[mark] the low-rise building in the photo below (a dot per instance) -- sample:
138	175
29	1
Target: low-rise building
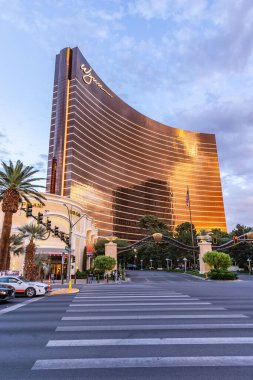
84	233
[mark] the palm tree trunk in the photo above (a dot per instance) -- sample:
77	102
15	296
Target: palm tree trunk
5	240
30	269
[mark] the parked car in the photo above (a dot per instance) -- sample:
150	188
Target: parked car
131	266
22	286
6	292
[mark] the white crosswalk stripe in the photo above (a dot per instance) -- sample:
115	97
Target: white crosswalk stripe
103	310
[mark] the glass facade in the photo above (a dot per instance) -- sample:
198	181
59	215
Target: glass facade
122	165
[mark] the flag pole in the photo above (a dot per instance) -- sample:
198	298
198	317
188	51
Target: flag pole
188	203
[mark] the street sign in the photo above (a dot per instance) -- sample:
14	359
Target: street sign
67	248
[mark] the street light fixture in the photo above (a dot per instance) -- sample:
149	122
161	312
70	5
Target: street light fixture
249	261
185	261
71	226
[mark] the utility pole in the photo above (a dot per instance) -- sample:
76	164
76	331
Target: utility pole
71	226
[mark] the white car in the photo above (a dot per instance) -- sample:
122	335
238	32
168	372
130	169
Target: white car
22	286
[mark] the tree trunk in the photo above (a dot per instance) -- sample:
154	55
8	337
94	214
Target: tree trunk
8	261
5	240
30	268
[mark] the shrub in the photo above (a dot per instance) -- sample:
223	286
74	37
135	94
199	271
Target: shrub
222	275
80	274
217	260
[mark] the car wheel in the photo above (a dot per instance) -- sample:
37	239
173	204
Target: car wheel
30	292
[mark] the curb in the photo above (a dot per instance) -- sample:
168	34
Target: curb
64	291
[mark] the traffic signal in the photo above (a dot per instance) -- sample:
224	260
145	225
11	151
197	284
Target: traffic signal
40	218
29	210
56	231
48	224
73	259
67	241
62	236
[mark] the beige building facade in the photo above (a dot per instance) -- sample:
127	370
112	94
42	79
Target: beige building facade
84	233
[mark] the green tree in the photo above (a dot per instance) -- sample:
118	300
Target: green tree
32	232
240	229
183	233
217	260
220	237
104	263
16	247
16	185
151	224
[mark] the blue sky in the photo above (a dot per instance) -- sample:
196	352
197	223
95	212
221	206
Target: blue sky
188	64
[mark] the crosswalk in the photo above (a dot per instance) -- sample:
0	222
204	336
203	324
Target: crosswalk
135	326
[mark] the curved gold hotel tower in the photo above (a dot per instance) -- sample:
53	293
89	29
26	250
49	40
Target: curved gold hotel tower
121	164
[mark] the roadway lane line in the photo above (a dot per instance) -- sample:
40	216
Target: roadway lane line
144	296
186	361
15	307
202	326
147	342
138	304
141	317
147	309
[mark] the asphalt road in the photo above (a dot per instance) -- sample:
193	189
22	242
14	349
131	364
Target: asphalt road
156	326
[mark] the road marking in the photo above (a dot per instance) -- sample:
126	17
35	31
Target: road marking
138	304
144	296
14	307
146	309
202	326
141	317
199	361
148	341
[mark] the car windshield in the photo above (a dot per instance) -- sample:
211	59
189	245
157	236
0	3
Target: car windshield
23	279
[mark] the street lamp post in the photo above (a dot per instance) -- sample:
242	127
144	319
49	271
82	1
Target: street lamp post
141	264
151	261
170	263
249	261
185	261
71	226
167	261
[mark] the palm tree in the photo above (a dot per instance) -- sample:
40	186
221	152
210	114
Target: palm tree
16	185
16	247
41	262
33	232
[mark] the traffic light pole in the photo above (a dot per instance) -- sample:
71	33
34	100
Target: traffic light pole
71	226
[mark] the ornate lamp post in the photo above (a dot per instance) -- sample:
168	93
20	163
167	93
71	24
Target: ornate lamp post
185	261
167	261
249	261
151	261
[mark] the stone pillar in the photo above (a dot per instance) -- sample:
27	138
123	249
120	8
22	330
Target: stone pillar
203	248
111	250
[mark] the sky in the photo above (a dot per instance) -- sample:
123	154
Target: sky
188	64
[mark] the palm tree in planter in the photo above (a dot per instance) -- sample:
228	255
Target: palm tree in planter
15	247
32	232
16	185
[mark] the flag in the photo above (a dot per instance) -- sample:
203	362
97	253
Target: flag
187	200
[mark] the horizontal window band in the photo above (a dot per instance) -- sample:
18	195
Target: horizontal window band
122	176
173	215
129	184
125	133
176	204
73	142
181	192
135	146
84	91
